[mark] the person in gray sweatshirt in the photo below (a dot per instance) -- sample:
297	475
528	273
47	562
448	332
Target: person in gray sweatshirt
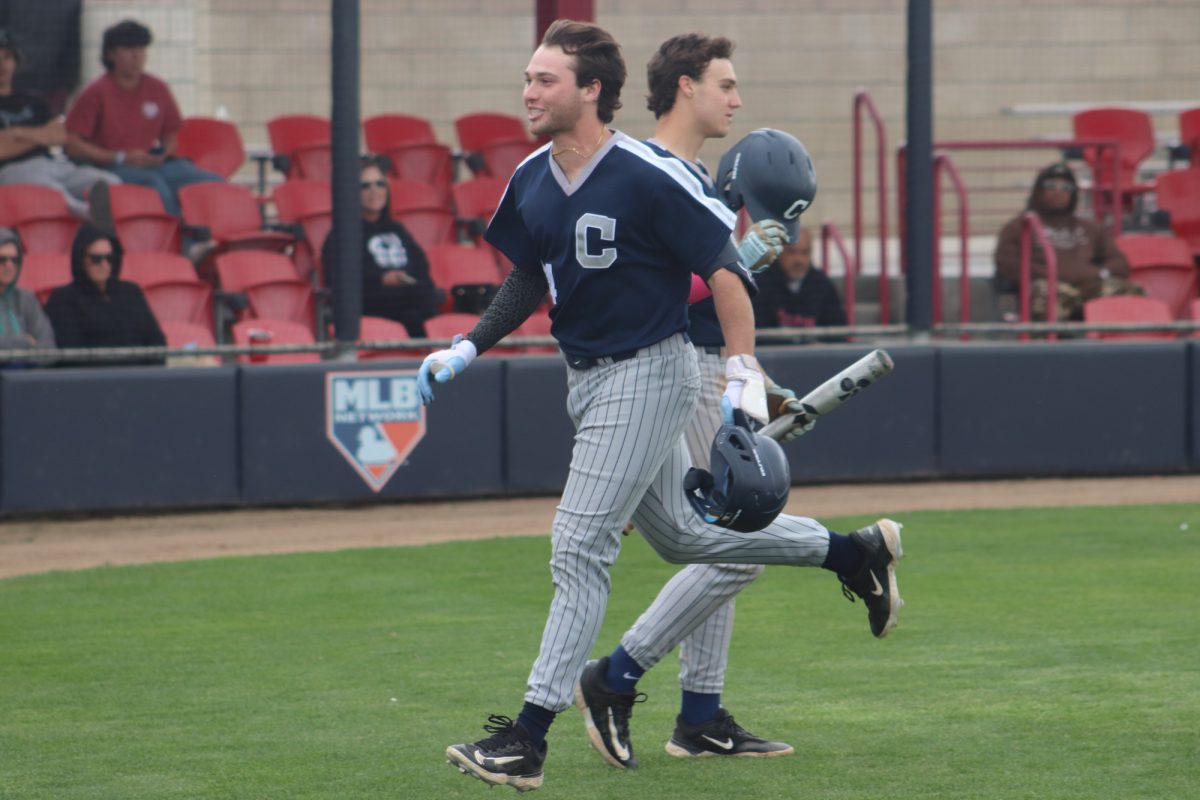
23	324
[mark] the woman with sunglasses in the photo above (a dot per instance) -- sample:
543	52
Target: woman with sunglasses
97	308
23	324
395	271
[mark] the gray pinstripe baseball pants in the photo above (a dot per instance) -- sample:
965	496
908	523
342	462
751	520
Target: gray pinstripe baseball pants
629	460
695	608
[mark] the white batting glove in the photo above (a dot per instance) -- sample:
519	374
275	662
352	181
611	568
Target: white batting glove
762	244
444	365
745	390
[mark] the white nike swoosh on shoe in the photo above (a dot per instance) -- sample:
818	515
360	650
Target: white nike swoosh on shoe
726	744
878	590
619	749
483	760
629	677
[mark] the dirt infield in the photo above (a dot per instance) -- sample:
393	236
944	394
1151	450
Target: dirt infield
31	546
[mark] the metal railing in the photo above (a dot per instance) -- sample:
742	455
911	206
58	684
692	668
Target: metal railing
863	102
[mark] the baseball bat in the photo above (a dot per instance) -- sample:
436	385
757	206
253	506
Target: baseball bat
833	392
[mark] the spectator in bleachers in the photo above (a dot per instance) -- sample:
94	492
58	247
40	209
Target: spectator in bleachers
128	122
23	324
28	131
792	293
395	270
1089	263
97	308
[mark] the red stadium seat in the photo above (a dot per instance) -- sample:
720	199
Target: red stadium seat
301	143
446	326
233	219
270	285
476	200
271	332
211	144
501	159
412	150
171	287
537	325
477	129
1134	132
142	224
42	273
419	208
1178	193
387	130
1163	266
40	215
380	329
308	204
1189	133
468	274
491	142
1127	308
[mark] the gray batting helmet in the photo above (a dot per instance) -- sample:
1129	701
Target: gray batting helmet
749	483
771	174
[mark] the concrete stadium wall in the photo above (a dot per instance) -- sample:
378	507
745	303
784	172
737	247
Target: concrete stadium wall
117	439
799	63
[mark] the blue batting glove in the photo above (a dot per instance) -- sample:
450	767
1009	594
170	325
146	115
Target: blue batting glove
444	365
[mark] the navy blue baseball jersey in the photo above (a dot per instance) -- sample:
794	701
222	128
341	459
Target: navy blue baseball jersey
703	325
617	246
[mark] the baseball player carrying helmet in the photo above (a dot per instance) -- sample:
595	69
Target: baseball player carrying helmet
613	231
693	93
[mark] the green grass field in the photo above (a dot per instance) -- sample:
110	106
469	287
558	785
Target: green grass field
1041	654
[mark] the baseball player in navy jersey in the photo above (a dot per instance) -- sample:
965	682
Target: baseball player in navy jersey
613	231
693	94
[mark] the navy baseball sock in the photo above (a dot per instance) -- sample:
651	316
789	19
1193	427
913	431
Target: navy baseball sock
843	557
696	708
536	722
623	672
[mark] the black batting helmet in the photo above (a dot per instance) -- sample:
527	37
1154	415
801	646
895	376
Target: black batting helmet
771	174
749	483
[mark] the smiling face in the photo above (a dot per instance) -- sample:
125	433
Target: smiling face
553	103
714	97
98	262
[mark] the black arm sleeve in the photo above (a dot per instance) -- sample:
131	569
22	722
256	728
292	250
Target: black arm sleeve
515	301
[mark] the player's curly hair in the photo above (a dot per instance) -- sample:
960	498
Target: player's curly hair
687	54
597	58
126	33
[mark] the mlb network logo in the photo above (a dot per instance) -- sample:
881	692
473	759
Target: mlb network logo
374	419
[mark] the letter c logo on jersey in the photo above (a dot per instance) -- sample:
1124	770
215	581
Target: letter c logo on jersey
606	228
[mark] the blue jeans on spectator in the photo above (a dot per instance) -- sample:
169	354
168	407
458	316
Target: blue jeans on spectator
165	180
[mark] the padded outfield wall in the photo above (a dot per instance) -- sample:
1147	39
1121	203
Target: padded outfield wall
146	438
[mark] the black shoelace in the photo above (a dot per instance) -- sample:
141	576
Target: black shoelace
622	705
504	733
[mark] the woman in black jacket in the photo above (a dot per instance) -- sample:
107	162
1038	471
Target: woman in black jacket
395	271
98	309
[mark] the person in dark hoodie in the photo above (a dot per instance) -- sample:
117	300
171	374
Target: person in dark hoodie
23	324
395	270
98	309
1089	263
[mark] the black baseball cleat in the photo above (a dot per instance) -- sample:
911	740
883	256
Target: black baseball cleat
875	581
606	715
721	736
506	758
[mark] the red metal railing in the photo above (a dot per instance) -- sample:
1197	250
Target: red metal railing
1031	223
863	101
943	165
830	232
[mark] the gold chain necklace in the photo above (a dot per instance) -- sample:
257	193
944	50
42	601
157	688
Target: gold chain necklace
579	153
